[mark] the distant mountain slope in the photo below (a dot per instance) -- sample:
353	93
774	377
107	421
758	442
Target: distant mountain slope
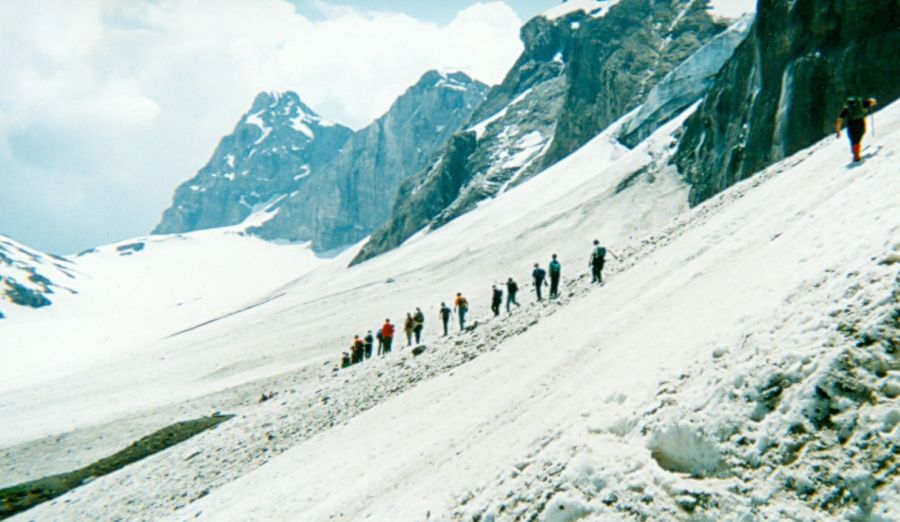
579	72
108	302
327	183
784	86
31	279
273	150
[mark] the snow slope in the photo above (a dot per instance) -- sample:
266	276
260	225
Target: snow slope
127	296
651	397
312	319
737	364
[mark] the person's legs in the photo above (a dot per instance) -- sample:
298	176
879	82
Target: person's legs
855	131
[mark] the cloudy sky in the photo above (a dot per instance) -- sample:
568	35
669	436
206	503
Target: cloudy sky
107	105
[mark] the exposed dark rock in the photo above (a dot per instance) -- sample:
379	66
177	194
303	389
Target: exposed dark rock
24	296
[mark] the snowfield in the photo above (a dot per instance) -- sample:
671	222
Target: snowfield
739	363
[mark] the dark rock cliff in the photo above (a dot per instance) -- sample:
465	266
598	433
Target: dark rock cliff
786	83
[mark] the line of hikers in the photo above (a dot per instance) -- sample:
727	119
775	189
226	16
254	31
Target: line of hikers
361	349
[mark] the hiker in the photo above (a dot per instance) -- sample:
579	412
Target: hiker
511	289
418	324
345	360
445	316
598	256
555	270
461	305
380	342
367	345
387	336
356	350
496	299
408	326
538	274
854	112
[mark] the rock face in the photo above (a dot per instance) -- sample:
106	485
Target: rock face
355	192
784	86
578	73
685	84
327	183
620	58
273	150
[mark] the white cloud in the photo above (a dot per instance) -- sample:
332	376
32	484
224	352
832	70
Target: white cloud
120	100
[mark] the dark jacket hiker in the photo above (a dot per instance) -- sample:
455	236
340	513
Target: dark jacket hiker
854	112
598	258
445	316
538	274
496	299
511	289
555	272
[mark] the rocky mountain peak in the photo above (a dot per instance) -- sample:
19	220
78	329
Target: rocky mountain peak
327	183
273	148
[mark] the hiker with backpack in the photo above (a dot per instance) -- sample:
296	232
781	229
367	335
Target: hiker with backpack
511	289
854	113
598	258
555	272
538	274
418	324
356	350
408	327
387	336
367	345
461	305
445	316
496	299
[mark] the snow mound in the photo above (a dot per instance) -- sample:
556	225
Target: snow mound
685	450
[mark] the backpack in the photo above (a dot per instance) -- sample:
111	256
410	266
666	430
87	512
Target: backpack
512	287
600	253
445	312
498	294
856	109
463	303
554	267
539	273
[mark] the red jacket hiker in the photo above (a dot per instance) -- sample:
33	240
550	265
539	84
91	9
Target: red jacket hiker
387	331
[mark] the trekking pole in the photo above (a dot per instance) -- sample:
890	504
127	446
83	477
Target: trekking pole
872	119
